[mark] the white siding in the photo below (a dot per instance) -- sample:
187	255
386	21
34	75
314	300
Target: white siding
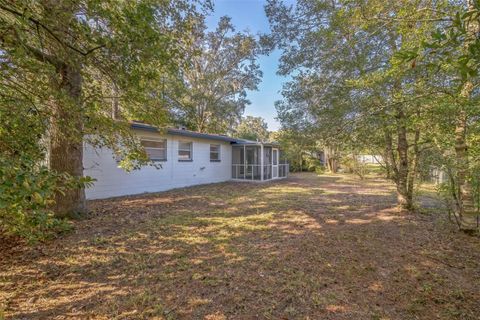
366	158
113	181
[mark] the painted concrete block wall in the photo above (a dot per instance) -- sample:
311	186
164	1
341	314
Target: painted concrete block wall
113	181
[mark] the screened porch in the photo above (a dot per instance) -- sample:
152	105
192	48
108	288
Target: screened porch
258	162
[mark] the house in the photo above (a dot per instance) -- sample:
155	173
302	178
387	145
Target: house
370	159
186	158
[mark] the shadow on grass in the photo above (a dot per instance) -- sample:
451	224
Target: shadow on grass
308	246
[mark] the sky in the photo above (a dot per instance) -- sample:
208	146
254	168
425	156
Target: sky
250	15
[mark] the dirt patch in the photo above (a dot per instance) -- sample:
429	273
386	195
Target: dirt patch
309	247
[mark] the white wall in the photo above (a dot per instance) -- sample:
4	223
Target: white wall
113	181
367	158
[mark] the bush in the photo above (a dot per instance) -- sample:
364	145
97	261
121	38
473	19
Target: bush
353	165
313	164
320	169
26	192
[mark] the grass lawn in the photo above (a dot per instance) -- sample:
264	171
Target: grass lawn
309	247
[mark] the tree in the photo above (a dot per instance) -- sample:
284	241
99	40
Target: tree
252	128
453	53
347	83
298	147
222	67
63	65
297	135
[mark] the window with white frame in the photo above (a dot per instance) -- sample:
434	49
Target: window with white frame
156	149
185	150
215	153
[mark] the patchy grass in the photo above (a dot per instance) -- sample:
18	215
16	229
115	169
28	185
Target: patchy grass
309	247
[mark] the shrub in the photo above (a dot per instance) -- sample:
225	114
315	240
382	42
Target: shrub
355	166
320	169
312	164
26	192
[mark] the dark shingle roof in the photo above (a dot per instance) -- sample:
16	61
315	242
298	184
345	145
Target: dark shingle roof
194	134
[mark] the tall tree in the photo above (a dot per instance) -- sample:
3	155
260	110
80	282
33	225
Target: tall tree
252	128
222	67
346	80
451	56
67	61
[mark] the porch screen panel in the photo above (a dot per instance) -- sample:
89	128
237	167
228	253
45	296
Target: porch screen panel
275	163
253	169
267	163
238	169
283	166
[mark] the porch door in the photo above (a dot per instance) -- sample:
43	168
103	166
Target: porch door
250	161
274	163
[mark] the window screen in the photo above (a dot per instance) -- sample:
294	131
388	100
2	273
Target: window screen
156	149
184	151
214	152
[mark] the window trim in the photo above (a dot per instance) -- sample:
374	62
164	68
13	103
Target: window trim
156	140
219	152
191	151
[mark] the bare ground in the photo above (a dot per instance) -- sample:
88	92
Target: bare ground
308	247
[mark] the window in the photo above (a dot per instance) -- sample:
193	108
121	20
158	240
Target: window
215	153
185	151
156	149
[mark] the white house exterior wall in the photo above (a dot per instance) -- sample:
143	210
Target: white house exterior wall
113	181
367	158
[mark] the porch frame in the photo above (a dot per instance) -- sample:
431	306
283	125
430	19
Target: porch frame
261	148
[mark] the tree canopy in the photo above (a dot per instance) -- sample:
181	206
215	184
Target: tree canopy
396	78
252	128
76	72
221	68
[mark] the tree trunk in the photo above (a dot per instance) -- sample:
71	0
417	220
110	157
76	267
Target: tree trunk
403	169
390	162
116	115
300	161
66	142
330	159
465	207
201	118
334	164
326	153
413	168
388	168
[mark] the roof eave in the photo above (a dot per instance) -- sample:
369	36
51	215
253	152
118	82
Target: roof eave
191	134
200	135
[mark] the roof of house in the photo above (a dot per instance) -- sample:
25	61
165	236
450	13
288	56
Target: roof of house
194	134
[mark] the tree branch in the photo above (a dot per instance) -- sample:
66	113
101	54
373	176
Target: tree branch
38	23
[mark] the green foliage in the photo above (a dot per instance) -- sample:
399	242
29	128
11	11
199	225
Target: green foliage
26	193
448	189
353	165
295	144
65	67
252	128
125	53
74	72
387	78
222	67
447	46
313	165
320	169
